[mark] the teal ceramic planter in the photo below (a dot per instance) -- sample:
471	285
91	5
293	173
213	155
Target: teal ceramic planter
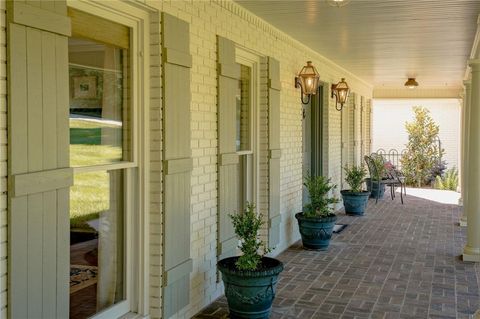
375	188
316	232
250	293
355	203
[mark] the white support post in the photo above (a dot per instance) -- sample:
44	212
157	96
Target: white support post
464	153
471	251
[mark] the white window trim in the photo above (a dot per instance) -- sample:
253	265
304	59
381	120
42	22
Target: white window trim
136	233
252	60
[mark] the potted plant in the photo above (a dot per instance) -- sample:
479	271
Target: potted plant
373	185
317	219
250	279
355	199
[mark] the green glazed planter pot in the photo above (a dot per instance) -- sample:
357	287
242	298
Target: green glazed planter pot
316	232
355	202
250	293
374	189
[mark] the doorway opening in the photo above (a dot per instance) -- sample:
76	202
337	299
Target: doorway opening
313	137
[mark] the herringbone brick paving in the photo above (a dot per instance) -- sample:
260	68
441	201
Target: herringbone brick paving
397	261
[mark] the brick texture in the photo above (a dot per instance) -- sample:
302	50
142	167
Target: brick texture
3	162
390	116
207	20
397	261
225	18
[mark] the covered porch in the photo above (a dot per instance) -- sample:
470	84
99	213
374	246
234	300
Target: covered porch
397	261
149	122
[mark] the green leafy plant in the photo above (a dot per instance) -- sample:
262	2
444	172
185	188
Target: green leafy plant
246	225
422	149
319	188
449	181
379	163
354	177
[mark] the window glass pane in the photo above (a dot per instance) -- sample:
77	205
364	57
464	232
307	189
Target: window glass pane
243	110
99	111
96	242
245	181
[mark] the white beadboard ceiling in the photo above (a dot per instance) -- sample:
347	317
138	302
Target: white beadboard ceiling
383	41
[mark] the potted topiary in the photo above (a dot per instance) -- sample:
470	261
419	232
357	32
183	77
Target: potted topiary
317	219
355	199
250	279
373	184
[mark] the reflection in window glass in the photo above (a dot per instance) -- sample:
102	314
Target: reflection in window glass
98	100
96	251
243	115
99	135
245	181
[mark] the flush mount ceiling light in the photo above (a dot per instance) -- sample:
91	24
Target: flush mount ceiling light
338	3
307	80
411	83
340	91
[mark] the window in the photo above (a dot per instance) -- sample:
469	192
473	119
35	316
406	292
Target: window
102	153
246	126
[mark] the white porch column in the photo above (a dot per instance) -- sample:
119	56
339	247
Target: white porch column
464	150
471	251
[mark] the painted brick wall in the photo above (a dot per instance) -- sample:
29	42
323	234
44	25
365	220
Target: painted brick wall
390	115
207	19
155	227
3	162
225	18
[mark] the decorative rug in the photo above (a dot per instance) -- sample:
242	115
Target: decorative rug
338	228
82	276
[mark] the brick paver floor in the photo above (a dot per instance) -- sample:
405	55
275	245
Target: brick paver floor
397	261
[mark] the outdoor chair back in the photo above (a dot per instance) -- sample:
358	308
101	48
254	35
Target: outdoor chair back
389	176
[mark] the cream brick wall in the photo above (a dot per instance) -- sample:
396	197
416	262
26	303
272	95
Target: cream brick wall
208	19
225	18
156	223
3	162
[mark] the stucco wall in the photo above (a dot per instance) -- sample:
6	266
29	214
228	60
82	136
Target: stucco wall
390	115
225	18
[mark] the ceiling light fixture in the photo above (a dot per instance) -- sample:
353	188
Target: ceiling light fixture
340	91
338	3
411	83
307	80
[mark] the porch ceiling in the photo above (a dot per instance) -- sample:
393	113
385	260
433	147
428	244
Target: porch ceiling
383	42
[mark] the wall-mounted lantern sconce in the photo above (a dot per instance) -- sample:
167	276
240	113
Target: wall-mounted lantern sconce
340	91
307	80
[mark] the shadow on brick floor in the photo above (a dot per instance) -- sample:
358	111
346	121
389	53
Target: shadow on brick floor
397	261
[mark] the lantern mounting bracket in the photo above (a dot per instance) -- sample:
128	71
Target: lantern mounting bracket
298	84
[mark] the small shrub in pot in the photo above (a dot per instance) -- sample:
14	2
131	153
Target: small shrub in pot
355	199
250	279
317	220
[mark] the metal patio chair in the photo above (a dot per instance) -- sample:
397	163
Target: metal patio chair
390	178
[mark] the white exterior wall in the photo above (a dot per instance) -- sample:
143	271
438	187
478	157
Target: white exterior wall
3	162
390	115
